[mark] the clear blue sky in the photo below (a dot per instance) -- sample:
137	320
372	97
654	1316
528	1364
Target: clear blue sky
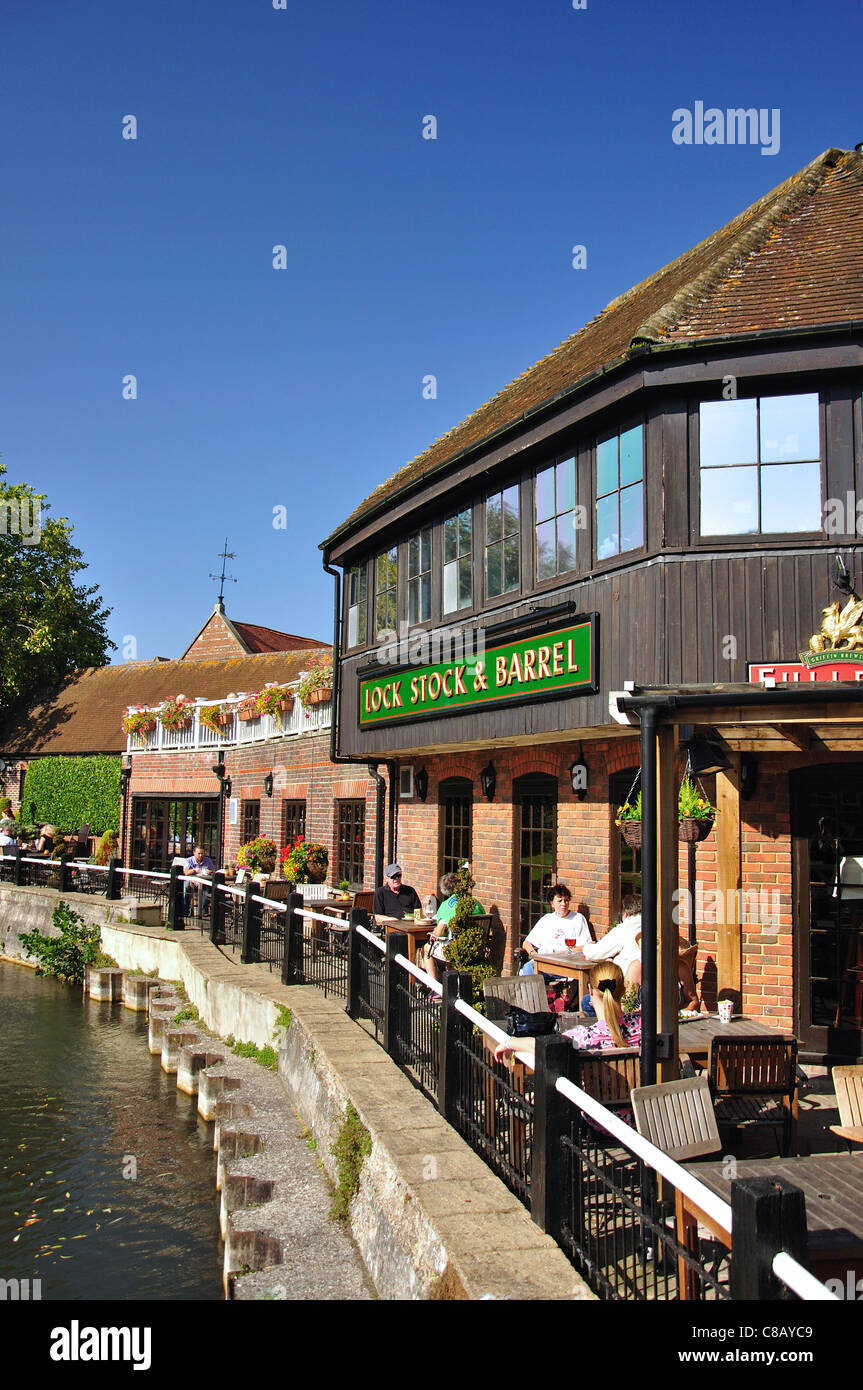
406	256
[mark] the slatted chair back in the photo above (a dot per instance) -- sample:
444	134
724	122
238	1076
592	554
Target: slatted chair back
313	892
678	1117
610	1075
524	991
82	844
364	900
753	1066
848	1082
278	889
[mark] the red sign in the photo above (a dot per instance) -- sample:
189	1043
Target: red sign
780	672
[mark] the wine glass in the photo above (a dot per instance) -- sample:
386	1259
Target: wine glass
569	942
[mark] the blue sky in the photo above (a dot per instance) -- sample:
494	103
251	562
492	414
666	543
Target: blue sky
405	257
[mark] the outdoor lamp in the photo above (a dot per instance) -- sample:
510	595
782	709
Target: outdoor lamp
226	788
219	770
706	756
421	783
488	781
268	784
578	779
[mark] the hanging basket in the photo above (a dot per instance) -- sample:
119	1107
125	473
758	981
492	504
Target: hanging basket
691	831
319	697
248	714
631	832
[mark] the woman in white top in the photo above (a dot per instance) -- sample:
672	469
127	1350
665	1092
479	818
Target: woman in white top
553	930
623	943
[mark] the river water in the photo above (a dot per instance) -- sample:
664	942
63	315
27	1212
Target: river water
107	1174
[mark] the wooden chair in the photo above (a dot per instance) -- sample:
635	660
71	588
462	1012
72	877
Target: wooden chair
364	900
525	991
678	1118
848	1083
82	844
754	1083
278	889
609	1075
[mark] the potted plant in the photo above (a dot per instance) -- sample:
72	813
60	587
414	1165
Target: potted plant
304	861
694	812
316	687
275	700
140	724
247	709
215	717
628	821
177	713
259	855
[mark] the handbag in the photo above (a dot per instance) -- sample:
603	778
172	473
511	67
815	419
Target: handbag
521	1023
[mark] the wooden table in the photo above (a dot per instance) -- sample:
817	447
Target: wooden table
417	932
571	965
833	1187
696	1035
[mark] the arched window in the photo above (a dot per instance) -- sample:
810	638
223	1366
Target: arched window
455	798
624	866
535	797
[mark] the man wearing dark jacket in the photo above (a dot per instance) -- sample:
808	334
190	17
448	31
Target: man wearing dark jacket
395	899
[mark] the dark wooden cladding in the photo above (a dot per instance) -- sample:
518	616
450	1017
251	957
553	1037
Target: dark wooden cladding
672	621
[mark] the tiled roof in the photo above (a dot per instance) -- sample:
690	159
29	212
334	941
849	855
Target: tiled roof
267	639
793	259
85	714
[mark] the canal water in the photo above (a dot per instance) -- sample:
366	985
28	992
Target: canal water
107	1173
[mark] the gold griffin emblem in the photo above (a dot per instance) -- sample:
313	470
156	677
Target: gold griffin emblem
841	629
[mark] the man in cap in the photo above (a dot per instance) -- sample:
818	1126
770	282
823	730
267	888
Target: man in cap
394	898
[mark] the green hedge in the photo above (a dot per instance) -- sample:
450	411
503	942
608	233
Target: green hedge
69	792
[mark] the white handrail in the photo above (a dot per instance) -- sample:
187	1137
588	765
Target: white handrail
82	864
370	936
321	917
234	892
715	1207
270	902
800	1281
418	974
145	873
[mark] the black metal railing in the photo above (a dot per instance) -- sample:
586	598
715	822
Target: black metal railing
322	957
86	878
270	934
416	1041
147	888
230	930
367	993
494	1108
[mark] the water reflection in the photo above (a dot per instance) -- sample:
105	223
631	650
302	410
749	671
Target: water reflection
107	1174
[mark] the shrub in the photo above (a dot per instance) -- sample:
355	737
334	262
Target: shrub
353	1145
67	792
258	854
68	954
468	949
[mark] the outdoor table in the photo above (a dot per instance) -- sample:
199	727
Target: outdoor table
833	1187
417	932
572	965
695	1035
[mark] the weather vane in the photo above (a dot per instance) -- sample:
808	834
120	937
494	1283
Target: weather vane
224	556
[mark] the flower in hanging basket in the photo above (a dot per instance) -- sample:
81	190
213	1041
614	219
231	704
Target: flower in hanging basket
177	713
304	861
692	804
140	724
215	717
316	687
275	700
258	854
247	709
629	811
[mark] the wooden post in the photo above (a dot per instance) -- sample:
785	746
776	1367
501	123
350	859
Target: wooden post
251	926
397	945
667	930
768	1215
358	918
555	1057
729	938
217	902
112	887
292	963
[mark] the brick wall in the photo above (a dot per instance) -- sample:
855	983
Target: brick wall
215	642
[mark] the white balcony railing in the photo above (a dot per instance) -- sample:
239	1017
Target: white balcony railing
237	732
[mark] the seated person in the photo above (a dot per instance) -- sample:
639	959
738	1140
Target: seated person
552	931
198	865
394	898
433	951
7	838
623	943
613	1028
45	842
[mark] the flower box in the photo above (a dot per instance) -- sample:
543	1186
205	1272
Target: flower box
319	697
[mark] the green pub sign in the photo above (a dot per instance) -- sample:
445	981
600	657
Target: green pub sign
551	664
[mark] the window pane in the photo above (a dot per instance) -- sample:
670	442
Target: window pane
381	570
791	497
450	587
566	485
511	566
631	462
493	570
353	635
450	538
789	430
632	517
425	549
492	518
566	542
545	564
545	494
510	511
413	601
606	466
425	597
728	434
391	609
464	544
413	556
381	613
729	502
465	574
607	537
392	566
361	624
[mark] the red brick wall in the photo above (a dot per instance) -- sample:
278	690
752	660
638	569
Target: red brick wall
215	642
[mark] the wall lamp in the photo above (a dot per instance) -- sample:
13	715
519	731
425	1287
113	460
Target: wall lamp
421	783
219	770
578	779
706	755
488	781
268	784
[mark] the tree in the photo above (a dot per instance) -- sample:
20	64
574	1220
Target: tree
49	625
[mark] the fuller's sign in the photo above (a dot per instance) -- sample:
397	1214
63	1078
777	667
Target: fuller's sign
825	666
558	663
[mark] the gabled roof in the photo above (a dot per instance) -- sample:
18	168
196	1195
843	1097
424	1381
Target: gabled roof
84	715
248	637
794	259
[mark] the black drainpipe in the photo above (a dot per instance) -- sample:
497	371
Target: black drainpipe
647	715
336	757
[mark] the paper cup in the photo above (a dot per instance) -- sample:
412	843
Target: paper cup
726	1009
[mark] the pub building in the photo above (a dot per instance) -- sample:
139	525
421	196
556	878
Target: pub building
608	572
